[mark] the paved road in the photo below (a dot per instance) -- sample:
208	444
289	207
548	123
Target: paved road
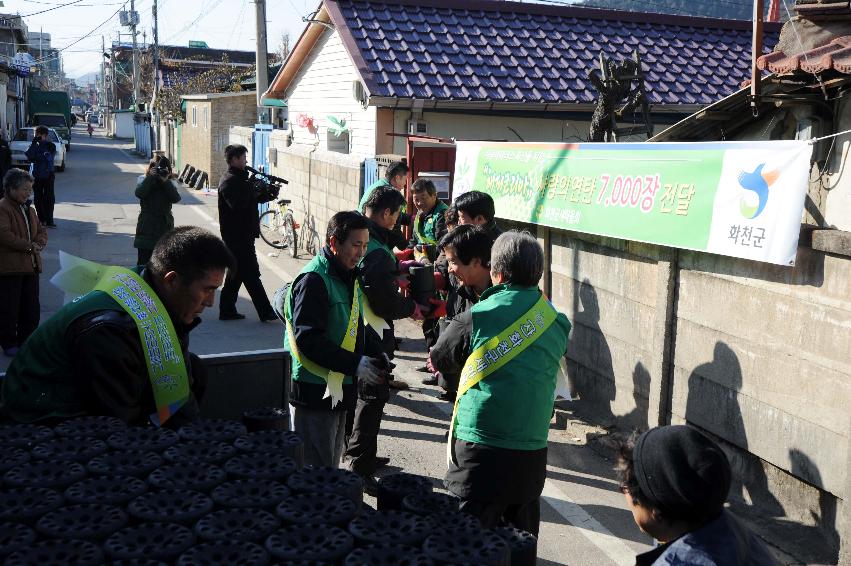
584	521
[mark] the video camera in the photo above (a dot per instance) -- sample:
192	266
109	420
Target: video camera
264	187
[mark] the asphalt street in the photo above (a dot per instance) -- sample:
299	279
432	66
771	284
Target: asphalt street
584	518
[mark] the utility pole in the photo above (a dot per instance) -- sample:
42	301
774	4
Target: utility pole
136	95
102	97
155	56
261	60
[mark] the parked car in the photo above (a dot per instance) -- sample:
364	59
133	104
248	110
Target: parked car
22	141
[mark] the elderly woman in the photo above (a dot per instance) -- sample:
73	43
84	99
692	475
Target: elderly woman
156	193
507	348
21	240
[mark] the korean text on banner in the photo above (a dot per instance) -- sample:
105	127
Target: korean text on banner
739	199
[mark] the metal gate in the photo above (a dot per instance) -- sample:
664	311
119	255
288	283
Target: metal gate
370	174
259	152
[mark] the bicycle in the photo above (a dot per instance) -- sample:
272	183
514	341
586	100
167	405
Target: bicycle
278	227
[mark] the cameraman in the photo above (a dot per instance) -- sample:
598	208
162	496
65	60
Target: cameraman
156	194
240	225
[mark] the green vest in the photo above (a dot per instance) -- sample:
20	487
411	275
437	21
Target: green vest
425	231
373	245
339	309
511	408
39	383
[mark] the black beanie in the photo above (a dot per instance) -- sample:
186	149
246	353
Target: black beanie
682	472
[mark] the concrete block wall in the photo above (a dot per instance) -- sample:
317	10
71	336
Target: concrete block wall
196	148
758	356
321	183
226	112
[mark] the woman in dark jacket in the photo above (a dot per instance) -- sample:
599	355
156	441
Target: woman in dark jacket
156	194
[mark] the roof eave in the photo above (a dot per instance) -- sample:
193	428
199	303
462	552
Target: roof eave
433	104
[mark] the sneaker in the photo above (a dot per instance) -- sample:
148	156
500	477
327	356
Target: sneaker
370	485
430	380
11	351
231	316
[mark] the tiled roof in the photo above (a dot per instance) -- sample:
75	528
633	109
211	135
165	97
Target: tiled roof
836	55
483	51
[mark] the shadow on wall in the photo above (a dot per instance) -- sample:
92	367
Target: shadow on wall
713	405
590	369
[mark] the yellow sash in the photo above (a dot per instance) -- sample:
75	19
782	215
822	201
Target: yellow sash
334	379
497	352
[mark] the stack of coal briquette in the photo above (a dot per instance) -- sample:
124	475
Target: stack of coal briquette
93	491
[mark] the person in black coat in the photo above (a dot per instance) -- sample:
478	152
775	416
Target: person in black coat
379	275
239	220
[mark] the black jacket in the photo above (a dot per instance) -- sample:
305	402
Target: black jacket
378	274
309	321
110	368
239	217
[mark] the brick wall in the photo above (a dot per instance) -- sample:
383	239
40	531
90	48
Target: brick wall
321	184
226	112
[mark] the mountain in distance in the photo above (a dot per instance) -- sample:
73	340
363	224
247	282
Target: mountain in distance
727	9
86	79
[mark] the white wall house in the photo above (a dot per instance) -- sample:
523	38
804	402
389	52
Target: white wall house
504	71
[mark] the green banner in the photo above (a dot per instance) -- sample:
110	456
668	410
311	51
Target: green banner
742	199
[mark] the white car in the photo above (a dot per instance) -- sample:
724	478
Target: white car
22	141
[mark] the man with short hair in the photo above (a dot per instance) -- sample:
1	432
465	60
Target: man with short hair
325	335
395	176
239	220
467	249
507	349
429	223
477	208
676	481
41	154
379	274
121	349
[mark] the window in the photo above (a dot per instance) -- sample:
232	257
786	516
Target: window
205	117
194	115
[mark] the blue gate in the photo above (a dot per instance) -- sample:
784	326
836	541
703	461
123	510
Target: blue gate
259	153
370	173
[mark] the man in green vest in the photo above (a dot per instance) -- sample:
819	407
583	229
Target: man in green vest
514	340
477	208
380	275
121	349
325	334
429	224
396	177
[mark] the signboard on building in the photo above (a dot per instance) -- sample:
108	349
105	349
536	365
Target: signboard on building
739	199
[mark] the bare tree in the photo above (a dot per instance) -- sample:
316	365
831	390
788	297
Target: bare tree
283	51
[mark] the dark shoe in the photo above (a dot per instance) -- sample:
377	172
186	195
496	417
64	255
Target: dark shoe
50	225
430	380
381	461
447	396
424	369
231	316
269	317
370	485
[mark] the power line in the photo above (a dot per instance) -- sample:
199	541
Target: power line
89	34
54	8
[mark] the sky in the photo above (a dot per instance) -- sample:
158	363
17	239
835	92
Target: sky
223	24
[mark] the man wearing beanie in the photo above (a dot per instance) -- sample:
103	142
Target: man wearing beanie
676	481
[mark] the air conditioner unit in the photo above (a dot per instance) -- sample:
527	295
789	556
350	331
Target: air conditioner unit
359	93
417	127
272	155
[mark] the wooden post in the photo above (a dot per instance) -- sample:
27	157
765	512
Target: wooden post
756	52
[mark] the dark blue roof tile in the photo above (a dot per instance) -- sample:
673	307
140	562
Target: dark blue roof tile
490	55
